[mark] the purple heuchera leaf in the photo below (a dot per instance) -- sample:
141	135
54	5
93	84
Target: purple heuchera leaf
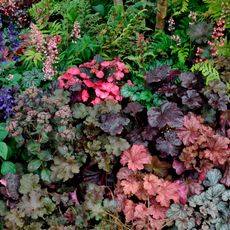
217	102
170	144
192	99
168	90
113	123
149	133
133	108
168	114
134	137
158	74
188	80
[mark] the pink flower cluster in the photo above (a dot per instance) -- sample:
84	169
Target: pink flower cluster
51	56
103	80
217	35
37	38
199	52
48	47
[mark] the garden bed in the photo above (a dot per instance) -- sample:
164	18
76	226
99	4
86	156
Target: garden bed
114	115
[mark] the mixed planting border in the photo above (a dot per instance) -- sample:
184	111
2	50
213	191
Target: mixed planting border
114	115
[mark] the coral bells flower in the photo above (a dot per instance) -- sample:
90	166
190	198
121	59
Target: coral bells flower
76	32
51	57
218	37
37	38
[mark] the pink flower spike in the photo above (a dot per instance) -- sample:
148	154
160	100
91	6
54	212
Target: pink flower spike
100	74
73	71
84	95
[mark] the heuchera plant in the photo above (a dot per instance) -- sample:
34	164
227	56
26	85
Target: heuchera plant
96	80
202	142
144	197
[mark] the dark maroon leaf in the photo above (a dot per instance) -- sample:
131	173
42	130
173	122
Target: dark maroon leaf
134	137
188	80
113	123
192	99
149	133
158	74
133	108
170	144
217	102
168	90
226	177
168	114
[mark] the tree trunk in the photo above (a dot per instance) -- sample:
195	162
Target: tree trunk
162	7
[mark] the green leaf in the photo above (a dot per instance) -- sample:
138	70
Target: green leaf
3	132
3	150
79	111
34	165
45	175
45	138
45	155
8	167
33	147
100	9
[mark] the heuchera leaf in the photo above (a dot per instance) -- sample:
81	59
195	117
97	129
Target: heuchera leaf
189	133
113	123
226	177
170	144
192	99
188	80
152	184
158	74
136	157
133	108
217	102
129	210
168	114
218	149
160	168
168	191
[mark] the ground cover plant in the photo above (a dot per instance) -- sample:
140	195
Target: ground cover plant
114	114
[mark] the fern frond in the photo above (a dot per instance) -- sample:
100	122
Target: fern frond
180	6
207	69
